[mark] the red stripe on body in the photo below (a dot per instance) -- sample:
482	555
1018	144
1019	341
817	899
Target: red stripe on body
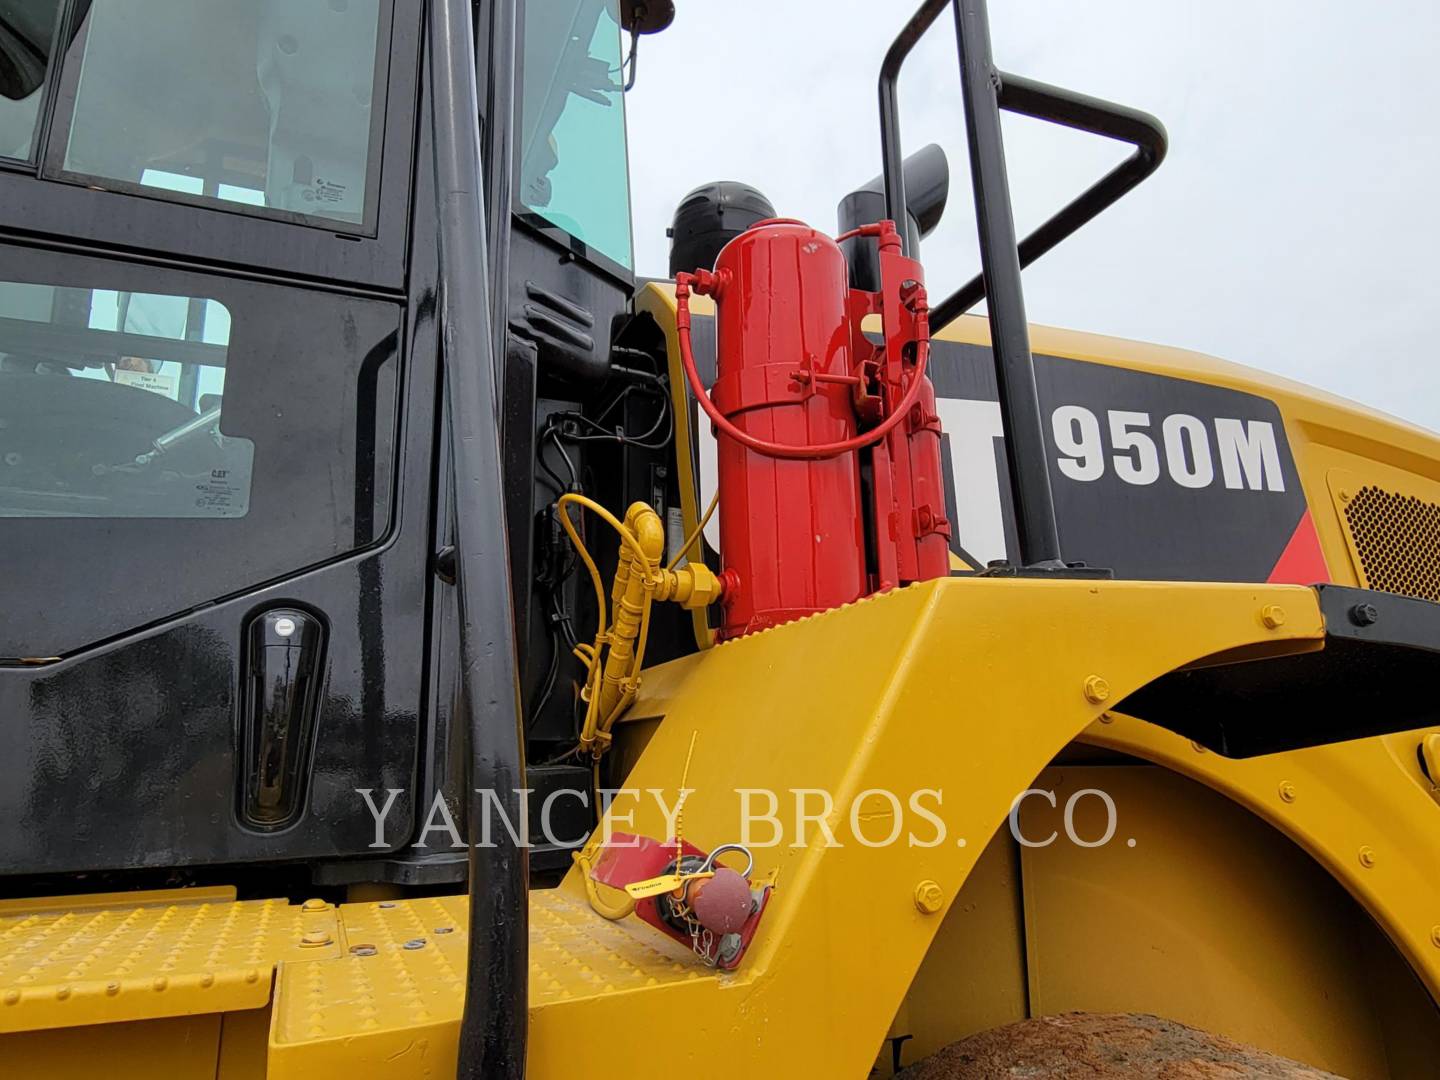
1302	562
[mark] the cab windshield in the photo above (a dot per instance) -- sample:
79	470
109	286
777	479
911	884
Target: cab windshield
570	144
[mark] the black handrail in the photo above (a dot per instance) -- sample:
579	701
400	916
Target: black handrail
1083	113
493	1028
985	91
896	204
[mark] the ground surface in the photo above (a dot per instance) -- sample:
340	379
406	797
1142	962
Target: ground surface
1097	1046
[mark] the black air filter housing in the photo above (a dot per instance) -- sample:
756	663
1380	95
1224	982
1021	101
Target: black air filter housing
707	219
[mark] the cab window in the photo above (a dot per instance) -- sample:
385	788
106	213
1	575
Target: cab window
27	34
260	106
112	403
570	147
172	437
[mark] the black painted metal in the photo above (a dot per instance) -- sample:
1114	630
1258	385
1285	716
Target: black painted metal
1009	328
1374	676
493	1029
896	203
497	75
1084	113
134	734
709	217
927	190
986	91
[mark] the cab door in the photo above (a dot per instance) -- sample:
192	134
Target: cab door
216	421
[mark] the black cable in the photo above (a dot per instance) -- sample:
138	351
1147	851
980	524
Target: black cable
567	427
665	418
551	677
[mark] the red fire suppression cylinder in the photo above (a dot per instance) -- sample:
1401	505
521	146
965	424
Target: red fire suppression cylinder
796	380
791	530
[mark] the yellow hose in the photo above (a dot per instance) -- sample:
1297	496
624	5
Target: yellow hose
609	688
695	533
614	661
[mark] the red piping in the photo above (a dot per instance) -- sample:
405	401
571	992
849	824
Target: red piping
704	283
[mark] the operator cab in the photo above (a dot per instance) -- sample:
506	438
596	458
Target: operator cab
221	413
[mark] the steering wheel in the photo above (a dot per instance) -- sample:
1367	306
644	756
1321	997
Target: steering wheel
60	435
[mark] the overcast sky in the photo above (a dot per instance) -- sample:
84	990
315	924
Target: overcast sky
1292	226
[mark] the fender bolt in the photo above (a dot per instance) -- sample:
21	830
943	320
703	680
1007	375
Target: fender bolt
929	897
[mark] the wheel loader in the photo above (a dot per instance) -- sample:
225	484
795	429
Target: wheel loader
429	647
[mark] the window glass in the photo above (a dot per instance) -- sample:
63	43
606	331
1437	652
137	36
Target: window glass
270	104
169	437
27	29
111	406
571	149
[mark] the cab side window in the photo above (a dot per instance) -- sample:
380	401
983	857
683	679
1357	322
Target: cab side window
260	106
174	436
27	37
111	406
570	148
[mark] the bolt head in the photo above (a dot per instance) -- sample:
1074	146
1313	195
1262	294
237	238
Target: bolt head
1273	616
1287	791
1435	936
363	950
314	905
1097	690
1367	857
415	943
929	897
314	939
1364	615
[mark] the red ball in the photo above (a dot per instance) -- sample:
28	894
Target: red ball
721	903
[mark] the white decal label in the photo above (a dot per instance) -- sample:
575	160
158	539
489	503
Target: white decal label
1184	451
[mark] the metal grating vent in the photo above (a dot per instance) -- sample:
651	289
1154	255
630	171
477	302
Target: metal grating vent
1398	540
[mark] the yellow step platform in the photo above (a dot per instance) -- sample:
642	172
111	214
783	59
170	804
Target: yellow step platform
348	990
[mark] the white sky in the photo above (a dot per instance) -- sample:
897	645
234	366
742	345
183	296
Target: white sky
1291	227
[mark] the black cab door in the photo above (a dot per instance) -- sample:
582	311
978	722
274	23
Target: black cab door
216	429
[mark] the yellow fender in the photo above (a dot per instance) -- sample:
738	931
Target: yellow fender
966	687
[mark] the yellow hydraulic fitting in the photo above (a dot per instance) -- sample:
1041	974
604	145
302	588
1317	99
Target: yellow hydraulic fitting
630	597
694	585
615	658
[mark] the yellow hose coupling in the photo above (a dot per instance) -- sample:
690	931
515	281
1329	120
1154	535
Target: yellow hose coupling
693	586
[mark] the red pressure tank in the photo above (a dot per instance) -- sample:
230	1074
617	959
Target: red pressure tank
791	531
797	377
